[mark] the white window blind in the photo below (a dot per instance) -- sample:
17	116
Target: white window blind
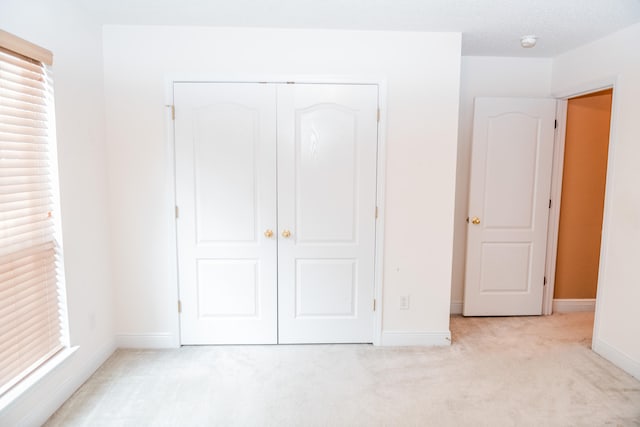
30	306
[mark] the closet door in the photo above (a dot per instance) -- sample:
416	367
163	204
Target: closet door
225	142
327	149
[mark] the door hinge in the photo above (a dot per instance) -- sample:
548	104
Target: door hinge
376	212
549	203
374	305
544	282
179	306
555	124
378	116
173	111
177	212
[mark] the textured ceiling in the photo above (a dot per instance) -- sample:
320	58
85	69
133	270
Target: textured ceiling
489	27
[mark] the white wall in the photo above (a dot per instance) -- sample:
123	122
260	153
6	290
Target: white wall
76	45
422	72
616	57
486	76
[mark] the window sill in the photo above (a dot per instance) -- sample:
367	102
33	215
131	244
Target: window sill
34	378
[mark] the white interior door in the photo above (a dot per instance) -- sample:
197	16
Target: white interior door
508	206
327	148
225	142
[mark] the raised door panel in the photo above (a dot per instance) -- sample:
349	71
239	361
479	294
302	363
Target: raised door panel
226	193
227	288
511	170
326	174
225	150
326	288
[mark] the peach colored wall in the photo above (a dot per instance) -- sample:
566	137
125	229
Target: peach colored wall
583	185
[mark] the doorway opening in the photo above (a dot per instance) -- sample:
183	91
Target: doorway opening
578	191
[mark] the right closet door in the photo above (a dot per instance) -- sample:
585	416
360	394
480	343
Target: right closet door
327	150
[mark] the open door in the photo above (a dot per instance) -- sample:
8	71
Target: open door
511	163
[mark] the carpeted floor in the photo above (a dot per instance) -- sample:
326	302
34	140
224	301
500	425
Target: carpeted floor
519	371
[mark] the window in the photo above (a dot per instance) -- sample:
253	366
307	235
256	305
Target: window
31	309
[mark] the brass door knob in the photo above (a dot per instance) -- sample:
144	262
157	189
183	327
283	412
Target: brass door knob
268	234
475	220
286	234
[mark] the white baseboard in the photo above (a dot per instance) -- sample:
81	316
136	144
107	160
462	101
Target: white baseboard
153	340
395	338
617	357
573	305
40	402
456	307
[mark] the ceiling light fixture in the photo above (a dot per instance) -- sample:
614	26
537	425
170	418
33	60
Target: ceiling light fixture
528	41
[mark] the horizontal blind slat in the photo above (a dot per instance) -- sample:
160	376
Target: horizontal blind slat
26	264
25	236
18	61
9	198
18	205
24	147
24	171
27	164
14	74
42	209
25	276
21	324
31	139
32	189
34	250
15	155
11	91
22	318
26	284
14	111
22	105
22	121
13	129
17	87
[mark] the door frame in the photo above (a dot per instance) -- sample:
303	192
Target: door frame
170	183
556	191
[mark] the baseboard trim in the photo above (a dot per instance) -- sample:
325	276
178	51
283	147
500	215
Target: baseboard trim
456	307
574	305
154	340
398	338
617	357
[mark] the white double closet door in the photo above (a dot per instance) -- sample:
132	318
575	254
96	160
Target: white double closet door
276	190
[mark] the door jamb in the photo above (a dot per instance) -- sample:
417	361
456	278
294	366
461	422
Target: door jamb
380	176
556	191
554	210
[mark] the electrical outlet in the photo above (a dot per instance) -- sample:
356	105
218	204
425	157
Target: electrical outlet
404	302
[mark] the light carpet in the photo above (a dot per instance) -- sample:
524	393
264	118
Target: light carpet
517	371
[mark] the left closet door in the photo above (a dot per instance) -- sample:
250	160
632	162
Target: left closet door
225	152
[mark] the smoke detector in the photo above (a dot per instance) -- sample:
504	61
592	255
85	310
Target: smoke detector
528	41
